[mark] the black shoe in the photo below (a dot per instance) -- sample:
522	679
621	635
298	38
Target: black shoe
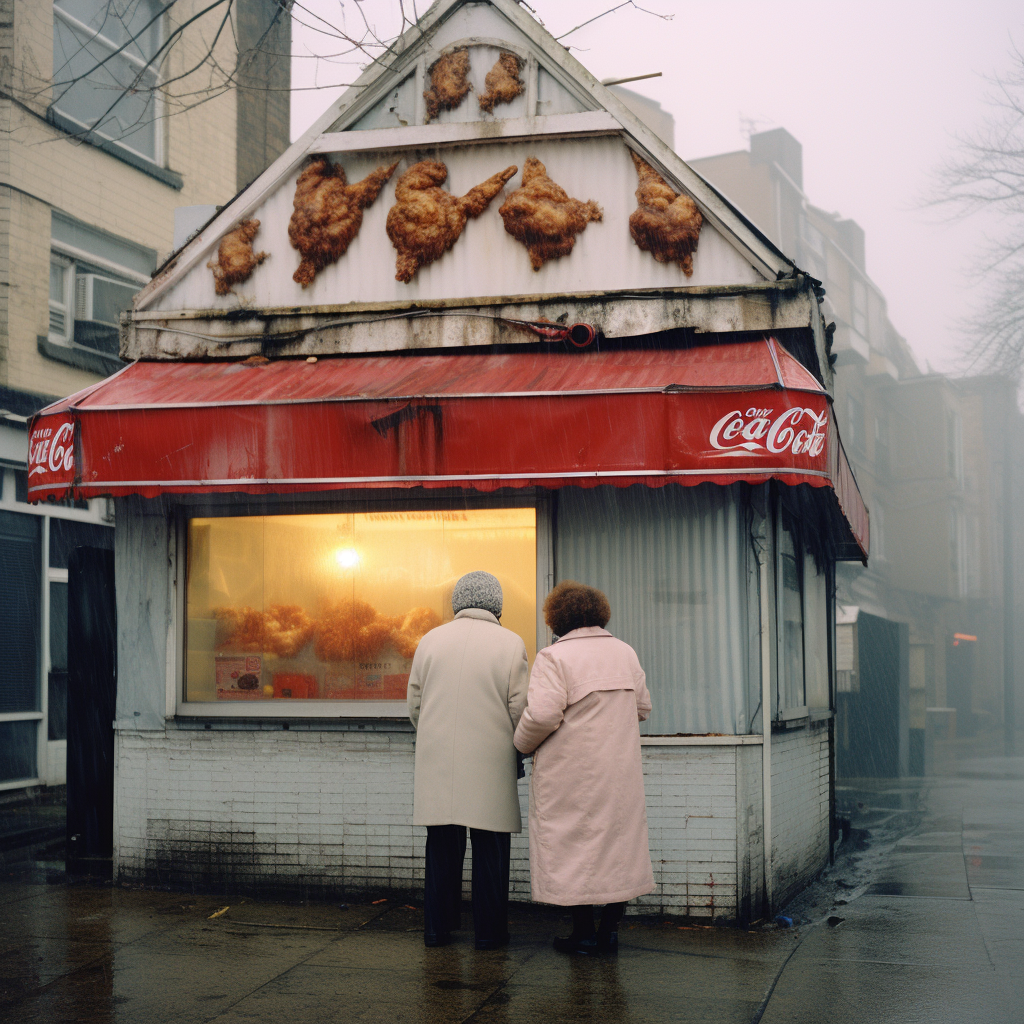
492	943
570	944
608	944
430	941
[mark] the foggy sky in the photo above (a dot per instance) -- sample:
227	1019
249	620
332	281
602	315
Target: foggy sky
876	93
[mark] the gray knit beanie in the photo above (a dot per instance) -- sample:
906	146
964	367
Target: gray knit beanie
477	590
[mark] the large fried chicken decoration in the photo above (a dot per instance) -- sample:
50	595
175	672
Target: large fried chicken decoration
328	213
502	84
543	216
664	224
235	258
448	84
426	221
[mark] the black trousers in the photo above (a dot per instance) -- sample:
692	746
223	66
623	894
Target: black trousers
446	851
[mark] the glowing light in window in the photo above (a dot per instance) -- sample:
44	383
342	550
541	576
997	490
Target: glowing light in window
347	558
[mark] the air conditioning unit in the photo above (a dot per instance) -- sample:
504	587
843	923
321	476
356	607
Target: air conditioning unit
101	299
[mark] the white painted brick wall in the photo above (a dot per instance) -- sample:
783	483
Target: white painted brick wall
332	811
800	825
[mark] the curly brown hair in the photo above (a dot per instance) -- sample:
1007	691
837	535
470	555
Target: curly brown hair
573	605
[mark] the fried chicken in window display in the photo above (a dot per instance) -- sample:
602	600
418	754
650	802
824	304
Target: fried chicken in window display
287	629
502	84
235	257
544	217
240	629
415	625
426	221
328	213
665	224
448	83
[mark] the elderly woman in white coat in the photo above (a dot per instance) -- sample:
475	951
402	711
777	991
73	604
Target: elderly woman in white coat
467	690
588	820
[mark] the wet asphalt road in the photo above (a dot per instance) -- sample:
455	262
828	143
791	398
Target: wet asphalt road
933	930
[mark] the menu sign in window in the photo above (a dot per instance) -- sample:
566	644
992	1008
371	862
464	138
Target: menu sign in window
333	607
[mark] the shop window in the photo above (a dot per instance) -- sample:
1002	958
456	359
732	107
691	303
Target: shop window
332	607
815	606
791	623
106	63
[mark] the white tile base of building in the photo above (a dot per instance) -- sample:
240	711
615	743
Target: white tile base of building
325	812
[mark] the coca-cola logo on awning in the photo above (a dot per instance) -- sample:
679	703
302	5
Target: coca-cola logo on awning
52	449
798	430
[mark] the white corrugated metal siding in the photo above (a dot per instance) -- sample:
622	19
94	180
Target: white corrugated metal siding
673	562
485	261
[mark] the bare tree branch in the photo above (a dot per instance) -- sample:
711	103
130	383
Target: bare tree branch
987	174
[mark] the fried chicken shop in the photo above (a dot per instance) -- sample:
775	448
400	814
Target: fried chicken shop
480	316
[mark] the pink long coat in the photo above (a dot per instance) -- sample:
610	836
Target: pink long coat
588	820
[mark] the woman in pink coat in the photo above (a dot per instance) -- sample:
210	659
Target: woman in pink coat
588	821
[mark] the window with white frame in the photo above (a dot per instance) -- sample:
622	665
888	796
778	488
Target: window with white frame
790	604
106	67
295	610
62	299
36	543
877	532
859	307
954	446
93	278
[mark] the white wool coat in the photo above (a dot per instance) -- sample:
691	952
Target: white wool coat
467	690
588	819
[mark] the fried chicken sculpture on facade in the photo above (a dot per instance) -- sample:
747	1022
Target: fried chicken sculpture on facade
426	221
235	259
543	216
664	224
502	83
448	84
328	213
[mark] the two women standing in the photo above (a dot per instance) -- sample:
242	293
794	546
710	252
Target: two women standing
588	822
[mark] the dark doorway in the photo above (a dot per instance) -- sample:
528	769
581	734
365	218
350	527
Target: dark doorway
91	697
873	740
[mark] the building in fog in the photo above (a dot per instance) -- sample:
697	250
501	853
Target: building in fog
86	215
922	627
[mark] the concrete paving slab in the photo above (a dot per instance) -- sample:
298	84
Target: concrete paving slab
922	932
907	873
812	991
324	995
29	964
1000	917
641	985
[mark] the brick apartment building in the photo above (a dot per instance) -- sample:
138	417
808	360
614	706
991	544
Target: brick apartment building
91	172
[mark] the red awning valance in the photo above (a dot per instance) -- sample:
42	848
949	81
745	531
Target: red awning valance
746	411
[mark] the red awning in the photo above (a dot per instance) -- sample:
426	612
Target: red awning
722	413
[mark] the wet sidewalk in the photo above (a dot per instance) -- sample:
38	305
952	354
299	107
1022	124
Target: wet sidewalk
927	925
